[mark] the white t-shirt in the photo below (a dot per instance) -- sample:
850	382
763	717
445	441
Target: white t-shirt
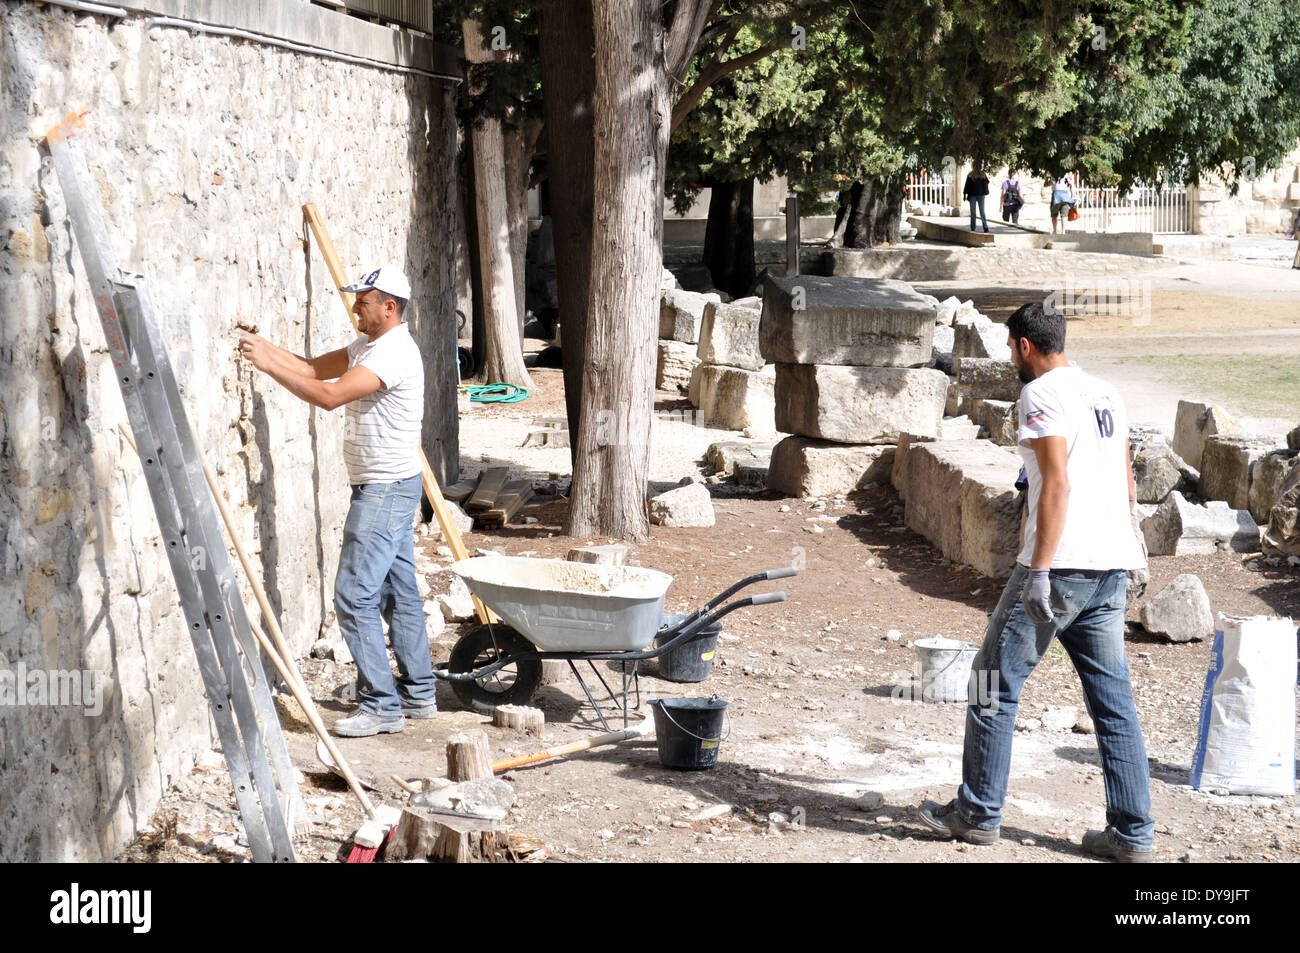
1087	412
381	437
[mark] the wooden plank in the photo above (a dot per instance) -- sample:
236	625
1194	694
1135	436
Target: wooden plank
490	485
507	504
460	492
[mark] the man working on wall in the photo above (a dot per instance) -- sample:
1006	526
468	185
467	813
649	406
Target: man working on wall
380	377
1069	583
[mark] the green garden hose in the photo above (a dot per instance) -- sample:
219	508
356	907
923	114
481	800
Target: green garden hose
496	393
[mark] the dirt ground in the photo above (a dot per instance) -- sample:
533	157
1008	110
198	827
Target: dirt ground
816	717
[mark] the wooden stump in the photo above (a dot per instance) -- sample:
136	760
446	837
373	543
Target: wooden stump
530	721
424	835
468	756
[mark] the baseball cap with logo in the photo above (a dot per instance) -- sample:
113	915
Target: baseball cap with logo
386	278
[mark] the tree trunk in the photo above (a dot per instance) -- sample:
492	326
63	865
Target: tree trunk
729	237
517	157
477	327
568	78
632	109
504	358
875	212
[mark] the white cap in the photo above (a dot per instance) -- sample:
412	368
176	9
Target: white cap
386	278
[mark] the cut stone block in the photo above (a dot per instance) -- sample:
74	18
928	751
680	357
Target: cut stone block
952	405
977	336
1180	528
999	419
808	319
676	363
1267	476
990	519
941	348
958	428
688	505
898	474
1193	424
859	404
936	475
734	398
987	378
681	312
612	554
1180	612
946	310
1157	470
804	467
1293	440
729	335
726	456
1225	468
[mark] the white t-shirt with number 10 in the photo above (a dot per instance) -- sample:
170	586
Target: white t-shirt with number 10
1088	413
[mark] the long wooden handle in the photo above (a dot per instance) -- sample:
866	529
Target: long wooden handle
614	737
431	489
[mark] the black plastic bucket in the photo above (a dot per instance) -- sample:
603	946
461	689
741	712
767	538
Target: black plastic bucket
692	660
689	731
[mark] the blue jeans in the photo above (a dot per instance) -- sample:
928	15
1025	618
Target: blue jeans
977	201
376	580
1088	618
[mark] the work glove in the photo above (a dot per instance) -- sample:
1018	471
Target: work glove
1037	596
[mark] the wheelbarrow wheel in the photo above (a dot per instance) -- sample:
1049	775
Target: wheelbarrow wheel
513	685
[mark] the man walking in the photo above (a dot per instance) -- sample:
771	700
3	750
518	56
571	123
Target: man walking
380	378
1069	583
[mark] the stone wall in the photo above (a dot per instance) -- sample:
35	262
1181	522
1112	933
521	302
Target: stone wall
204	149
1264	204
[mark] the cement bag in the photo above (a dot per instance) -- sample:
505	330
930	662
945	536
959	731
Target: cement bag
1246	740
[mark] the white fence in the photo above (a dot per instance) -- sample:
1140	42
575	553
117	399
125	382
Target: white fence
928	188
1142	209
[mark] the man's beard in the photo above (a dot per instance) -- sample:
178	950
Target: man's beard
1024	373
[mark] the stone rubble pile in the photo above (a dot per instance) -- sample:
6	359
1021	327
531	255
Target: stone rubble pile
680	315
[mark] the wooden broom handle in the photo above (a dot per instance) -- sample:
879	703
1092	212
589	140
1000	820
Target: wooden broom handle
431	488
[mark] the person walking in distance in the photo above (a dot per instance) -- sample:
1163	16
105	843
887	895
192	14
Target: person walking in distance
1069	583
975	191
1012	201
379	377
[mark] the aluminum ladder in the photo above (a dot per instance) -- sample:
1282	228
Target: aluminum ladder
238	693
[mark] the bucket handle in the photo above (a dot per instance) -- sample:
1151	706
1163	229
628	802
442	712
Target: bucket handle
955	656
668	715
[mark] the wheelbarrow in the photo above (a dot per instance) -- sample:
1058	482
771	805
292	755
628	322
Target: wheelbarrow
573	612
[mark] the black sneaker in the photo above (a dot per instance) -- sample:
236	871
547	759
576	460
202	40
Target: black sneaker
943	819
1102	844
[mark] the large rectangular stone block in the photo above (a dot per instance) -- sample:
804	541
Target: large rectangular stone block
1194	423
734	398
810	319
943	478
990	519
999	419
859	404
1181	528
729	335
676	362
898	474
804	467
976	336
681	312
1225	468
987	378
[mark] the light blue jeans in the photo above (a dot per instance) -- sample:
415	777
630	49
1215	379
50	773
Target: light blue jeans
1088	618
376	581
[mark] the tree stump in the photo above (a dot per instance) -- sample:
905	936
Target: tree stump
421	834
468	756
530	721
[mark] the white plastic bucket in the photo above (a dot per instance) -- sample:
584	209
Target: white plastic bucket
944	669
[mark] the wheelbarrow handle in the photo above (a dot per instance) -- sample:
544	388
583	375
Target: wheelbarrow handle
747	581
782	573
764	598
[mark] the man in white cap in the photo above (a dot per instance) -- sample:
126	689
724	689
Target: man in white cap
380	377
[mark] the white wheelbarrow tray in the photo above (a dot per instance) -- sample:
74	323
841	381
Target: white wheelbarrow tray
562	606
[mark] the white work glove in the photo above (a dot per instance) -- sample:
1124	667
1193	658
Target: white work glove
1037	596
